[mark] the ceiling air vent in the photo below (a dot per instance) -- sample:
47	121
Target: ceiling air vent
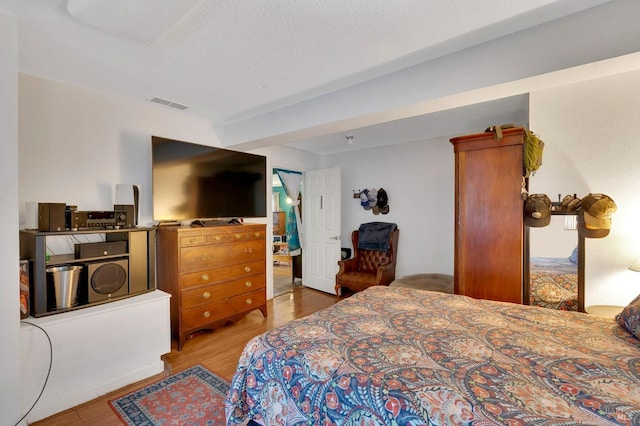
168	103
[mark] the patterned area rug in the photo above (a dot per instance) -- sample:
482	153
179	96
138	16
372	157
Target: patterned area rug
192	397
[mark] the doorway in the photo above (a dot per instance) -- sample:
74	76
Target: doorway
287	269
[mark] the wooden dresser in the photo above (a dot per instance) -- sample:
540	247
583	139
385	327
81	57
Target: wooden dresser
214	274
489	224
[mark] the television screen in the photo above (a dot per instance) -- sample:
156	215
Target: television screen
192	181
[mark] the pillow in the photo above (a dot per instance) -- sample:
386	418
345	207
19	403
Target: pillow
629	318
574	256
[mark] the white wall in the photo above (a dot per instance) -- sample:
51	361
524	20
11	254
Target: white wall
419	180
592	145
76	145
10	387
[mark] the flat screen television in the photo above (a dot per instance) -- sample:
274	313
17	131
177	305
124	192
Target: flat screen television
195	182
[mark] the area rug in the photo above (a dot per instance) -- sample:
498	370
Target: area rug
193	397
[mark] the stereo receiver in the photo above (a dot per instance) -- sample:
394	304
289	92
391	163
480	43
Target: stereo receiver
99	219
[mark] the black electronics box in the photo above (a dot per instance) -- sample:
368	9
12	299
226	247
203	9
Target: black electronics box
108	248
51	217
129	211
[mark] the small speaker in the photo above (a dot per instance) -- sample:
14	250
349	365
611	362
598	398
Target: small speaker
129	195
107	280
51	217
31	216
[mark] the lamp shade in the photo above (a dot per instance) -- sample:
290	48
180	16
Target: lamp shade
635	266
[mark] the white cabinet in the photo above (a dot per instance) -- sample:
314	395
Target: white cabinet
95	351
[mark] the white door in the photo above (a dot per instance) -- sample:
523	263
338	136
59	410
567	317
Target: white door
321	210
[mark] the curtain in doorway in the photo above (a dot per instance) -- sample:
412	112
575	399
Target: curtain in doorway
291	183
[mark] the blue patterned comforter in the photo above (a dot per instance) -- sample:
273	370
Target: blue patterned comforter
400	356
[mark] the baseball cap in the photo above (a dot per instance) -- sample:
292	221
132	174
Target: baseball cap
373	197
364	199
537	210
595	215
382	201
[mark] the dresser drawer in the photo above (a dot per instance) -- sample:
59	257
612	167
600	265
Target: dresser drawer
204	295
221	235
218	255
202	315
212	276
192	240
239	235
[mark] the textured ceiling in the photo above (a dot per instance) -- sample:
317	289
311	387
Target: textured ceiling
233	59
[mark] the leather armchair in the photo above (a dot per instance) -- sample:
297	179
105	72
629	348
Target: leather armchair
367	267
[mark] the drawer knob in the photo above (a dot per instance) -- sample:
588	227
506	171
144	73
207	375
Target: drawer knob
248	284
256	234
206	295
218	237
204	257
248	250
206	314
205	277
247	269
192	241
249	301
238	236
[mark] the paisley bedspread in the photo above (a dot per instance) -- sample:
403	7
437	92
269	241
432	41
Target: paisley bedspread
401	356
553	283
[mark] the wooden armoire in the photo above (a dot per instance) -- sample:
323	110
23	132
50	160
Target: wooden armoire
489	224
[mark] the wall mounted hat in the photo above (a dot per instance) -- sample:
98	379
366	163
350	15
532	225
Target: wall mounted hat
571	203
382	201
537	210
368	198
364	199
373	198
595	215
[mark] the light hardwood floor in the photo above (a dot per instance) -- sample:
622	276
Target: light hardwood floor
218	350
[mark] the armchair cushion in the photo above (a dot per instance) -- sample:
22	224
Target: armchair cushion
370	260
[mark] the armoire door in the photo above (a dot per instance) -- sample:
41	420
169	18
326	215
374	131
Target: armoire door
489	229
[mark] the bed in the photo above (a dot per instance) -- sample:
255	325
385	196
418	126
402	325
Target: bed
553	283
403	356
